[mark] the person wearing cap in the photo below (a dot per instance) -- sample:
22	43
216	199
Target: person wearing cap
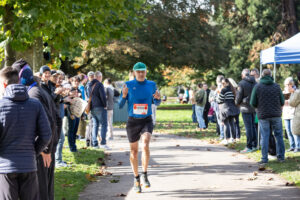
25	132
45	161
139	93
97	94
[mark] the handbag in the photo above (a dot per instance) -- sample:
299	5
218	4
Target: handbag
88	107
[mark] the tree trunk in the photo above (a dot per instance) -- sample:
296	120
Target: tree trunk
289	17
8	19
38	57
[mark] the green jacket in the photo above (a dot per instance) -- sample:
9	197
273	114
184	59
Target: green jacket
201	94
267	97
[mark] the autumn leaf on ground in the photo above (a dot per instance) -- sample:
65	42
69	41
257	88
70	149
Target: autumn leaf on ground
270	179
114	181
255	173
120	163
290	184
252	178
67	185
261	168
90	178
121	195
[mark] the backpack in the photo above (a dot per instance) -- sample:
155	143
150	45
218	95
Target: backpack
116	93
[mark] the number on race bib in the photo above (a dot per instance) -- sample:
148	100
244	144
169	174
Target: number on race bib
140	109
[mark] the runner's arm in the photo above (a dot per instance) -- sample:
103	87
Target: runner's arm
122	100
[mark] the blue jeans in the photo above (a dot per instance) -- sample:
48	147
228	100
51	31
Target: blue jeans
199	114
264	127
251	133
194	117
59	148
294	140
73	127
222	136
99	117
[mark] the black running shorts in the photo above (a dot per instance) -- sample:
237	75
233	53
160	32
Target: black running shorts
136	127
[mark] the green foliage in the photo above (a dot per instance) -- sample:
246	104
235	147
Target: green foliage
63	24
174	33
245	22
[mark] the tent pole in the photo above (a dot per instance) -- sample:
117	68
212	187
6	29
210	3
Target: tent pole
260	70
274	71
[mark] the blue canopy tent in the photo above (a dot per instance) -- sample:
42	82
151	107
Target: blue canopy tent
287	52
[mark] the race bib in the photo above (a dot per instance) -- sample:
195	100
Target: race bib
140	109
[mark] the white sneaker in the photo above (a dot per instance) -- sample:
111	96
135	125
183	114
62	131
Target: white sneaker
231	140
224	142
61	164
105	147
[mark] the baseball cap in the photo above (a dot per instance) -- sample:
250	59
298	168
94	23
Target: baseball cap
139	67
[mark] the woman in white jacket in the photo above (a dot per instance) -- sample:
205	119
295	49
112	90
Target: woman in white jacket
288	115
294	103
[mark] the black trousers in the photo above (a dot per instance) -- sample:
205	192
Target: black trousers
205	116
46	178
23	186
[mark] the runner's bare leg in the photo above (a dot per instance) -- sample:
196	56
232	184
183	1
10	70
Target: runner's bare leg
146	137
134	152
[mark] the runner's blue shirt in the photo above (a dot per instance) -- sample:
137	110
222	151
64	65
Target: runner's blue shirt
140	98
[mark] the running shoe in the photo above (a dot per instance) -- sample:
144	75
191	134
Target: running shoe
246	150
105	147
137	185
145	180
254	149
224	142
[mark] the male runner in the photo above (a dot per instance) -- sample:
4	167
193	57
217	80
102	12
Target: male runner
140	93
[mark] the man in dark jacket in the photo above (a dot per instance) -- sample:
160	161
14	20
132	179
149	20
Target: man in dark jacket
243	96
207	105
98	110
24	133
267	97
45	162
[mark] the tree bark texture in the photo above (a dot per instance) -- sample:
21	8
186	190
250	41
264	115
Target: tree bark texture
38	57
8	19
289	17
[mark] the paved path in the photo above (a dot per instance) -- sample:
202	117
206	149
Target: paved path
184	168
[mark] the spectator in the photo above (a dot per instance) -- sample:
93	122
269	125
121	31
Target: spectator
220	124
228	110
267	97
110	106
193	102
98	110
248	112
201	101
58	155
83	80
88	135
27	125
73	121
255	73
295	102
207	105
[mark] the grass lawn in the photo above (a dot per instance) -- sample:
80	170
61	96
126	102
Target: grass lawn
179	122
69	182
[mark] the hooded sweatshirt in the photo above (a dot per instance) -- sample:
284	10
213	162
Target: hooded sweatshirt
243	94
24	130
267	97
